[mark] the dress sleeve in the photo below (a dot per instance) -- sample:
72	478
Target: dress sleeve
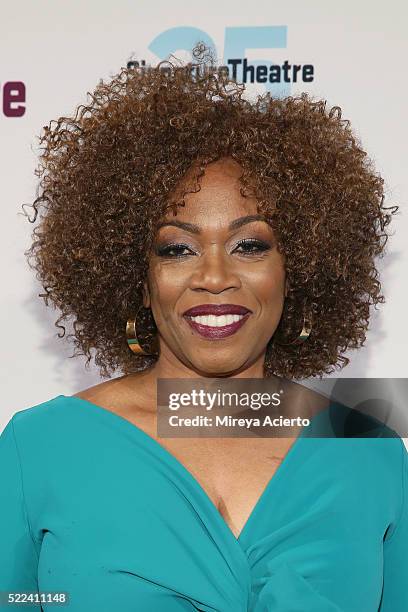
18	555
395	554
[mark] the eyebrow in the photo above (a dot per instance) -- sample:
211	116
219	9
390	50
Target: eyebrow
194	229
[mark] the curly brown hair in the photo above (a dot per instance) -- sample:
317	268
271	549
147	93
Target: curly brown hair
108	174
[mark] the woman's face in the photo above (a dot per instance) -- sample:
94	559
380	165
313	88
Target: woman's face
210	254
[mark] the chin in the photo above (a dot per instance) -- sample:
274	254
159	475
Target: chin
212	370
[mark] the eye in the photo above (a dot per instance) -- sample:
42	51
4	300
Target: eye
253	246
168	250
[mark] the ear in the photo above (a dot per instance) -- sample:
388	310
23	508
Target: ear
146	295
286	287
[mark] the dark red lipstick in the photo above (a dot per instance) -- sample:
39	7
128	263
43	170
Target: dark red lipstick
216	332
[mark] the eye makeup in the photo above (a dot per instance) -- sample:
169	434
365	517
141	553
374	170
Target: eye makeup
250	246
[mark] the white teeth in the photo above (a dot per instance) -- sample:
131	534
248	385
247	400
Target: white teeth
217	321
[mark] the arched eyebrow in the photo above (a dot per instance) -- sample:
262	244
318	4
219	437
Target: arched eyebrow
194	229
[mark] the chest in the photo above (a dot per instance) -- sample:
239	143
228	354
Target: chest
121	520
233	472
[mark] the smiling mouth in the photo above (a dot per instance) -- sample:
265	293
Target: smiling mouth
217	327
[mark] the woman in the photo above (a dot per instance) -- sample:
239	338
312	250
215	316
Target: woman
168	193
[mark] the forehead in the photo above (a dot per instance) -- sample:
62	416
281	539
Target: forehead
219	201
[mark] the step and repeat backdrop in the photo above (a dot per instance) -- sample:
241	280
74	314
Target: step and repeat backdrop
352	54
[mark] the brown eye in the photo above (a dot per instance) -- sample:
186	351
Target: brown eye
172	250
253	246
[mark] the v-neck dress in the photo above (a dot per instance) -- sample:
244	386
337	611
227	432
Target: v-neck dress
94	507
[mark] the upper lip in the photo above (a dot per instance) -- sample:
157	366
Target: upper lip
216	309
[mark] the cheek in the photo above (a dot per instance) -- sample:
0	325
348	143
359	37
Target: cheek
268	284
272	297
166	288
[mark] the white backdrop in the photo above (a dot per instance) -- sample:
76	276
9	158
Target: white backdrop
60	50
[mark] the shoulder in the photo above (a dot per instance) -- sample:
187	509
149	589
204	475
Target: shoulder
36	415
36	432
366	447
51	415
105	393
35	419
49	418
62	414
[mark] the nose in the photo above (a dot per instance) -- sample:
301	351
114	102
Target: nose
215	272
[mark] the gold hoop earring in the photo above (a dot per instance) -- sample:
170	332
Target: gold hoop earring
304	334
133	341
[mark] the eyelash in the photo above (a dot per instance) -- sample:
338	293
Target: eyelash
164	251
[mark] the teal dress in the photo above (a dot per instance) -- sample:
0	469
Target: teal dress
92	506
